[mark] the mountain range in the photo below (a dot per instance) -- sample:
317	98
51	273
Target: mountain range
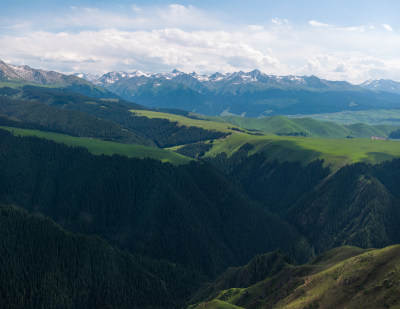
250	94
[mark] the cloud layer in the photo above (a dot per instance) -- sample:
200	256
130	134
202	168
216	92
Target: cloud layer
162	38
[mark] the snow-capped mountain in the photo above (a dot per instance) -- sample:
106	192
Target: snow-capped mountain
24	74
9	72
214	81
253	93
382	85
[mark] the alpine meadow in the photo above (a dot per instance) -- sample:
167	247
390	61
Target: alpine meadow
187	155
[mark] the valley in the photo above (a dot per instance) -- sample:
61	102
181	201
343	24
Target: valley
142	207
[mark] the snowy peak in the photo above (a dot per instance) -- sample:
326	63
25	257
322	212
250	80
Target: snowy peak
386	85
212	82
24	73
80	83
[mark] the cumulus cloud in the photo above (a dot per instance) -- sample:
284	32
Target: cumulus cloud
161	39
109	49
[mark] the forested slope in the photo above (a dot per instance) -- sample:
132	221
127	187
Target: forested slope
357	205
43	266
162	132
190	214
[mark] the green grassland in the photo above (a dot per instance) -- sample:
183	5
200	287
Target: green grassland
99	147
204	122
344	277
335	152
310	127
382	116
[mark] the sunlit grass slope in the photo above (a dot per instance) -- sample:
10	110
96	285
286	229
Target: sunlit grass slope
206	123
335	152
344	277
310	127
369	280
99	147
379	116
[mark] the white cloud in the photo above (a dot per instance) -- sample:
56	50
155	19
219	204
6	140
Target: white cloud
315	23
160	39
387	27
279	22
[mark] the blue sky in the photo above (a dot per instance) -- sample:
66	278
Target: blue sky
339	40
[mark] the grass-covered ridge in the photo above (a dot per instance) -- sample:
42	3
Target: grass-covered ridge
200	121
310	127
344	277
100	147
329	144
335	152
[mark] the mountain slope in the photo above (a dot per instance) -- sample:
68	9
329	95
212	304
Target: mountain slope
309	127
159	132
358	205
44	266
141	205
345	277
17	76
382	85
35	115
99	147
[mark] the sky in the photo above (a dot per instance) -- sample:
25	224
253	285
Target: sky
337	40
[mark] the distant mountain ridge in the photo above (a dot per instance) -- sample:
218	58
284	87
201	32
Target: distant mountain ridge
218	80
25	75
250	94
387	85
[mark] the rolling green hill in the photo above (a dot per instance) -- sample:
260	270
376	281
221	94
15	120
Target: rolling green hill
331	146
345	277
373	117
194	120
159	132
31	114
310	127
100	147
335	152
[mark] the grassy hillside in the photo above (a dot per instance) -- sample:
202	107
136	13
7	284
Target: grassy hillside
335	152
309	127
381	116
149	132
345	277
204	122
99	147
